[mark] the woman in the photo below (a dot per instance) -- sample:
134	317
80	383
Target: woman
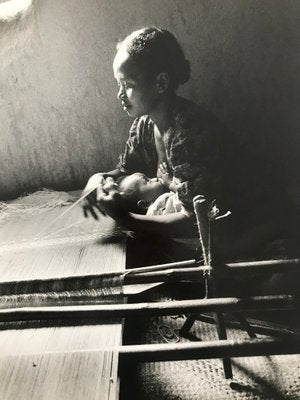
177	141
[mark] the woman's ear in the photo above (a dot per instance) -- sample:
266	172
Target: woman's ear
142	204
162	82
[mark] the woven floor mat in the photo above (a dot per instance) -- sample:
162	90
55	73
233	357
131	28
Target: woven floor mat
276	377
268	377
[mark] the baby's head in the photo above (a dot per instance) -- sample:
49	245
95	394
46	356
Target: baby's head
139	191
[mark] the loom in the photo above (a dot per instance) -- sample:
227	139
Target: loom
102	297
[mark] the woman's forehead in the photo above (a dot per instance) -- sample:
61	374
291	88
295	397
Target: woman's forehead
121	58
123	65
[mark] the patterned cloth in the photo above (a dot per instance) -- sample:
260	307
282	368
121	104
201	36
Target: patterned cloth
204	157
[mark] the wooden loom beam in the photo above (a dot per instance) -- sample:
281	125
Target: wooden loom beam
213	349
183	270
206	216
79	312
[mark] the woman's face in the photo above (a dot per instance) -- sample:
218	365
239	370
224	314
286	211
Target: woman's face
138	95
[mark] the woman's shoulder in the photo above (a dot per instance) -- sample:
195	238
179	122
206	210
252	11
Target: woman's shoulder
194	122
188	114
185	106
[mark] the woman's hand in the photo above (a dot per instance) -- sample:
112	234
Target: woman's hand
89	204
96	183
109	201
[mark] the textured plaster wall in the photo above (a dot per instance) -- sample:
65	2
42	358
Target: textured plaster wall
59	117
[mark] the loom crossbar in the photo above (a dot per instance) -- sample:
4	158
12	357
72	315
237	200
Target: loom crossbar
265	266
95	312
211	349
167	272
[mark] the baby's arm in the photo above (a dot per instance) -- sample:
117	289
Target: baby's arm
166	177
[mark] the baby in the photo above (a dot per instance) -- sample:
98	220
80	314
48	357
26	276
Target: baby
148	196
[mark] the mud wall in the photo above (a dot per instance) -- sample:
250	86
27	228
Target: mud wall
59	117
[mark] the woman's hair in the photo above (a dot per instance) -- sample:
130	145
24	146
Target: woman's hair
156	50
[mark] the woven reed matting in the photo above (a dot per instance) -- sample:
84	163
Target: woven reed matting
269	377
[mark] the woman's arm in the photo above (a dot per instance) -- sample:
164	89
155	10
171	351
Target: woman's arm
172	225
115	173
132	160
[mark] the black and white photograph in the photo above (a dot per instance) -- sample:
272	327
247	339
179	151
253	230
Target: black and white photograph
149	200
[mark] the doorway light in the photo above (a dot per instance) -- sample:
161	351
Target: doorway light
12	8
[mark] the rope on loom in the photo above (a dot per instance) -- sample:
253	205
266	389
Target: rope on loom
210	213
196	201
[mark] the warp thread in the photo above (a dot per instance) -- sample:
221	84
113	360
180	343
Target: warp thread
66	240
72	290
108	294
107	289
35	203
44	200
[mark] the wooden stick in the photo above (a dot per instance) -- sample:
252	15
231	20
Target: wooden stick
253	267
138	275
205	229
212	349
169	275
157	273
161	267
270	266
154	275
222	335
236	267
79	312
259	326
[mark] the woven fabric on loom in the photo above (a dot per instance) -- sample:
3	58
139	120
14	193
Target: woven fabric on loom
70	247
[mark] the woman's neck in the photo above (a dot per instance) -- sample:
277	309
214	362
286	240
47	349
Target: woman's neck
162	115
